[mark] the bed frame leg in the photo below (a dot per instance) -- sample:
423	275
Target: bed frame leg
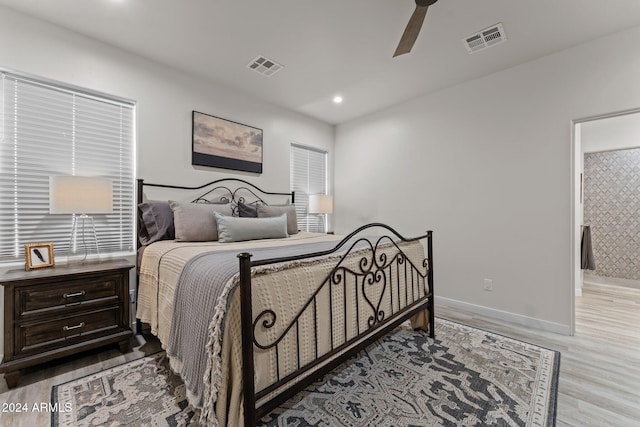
248	386
432	316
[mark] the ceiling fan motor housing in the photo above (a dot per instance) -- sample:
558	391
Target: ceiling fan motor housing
424	3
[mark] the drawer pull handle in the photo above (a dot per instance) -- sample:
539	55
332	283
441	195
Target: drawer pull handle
77	294
68	328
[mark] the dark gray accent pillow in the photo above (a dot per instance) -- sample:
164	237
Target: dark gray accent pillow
247	211
194	222
290	210
155	222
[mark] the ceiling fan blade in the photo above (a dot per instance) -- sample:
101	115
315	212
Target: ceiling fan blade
411	32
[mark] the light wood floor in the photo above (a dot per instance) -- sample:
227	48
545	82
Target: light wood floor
599	368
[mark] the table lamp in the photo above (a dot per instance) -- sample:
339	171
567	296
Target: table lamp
80	196
321	204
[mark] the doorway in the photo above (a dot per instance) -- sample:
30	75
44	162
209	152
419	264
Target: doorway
606	184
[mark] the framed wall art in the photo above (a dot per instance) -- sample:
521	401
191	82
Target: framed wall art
38	255
225	144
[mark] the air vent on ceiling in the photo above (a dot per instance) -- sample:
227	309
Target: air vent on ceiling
486	38
265	66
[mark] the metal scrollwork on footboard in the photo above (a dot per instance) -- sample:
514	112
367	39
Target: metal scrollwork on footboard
374	286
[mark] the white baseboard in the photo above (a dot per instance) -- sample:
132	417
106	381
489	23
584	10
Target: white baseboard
518	319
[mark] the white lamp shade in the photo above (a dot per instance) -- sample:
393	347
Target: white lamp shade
80	195
320	204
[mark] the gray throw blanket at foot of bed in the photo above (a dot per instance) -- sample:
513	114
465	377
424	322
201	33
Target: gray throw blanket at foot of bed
202	283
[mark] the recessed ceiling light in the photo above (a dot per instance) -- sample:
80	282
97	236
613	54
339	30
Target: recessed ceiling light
337	99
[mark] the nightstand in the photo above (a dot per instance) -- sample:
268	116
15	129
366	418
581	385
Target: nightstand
55	312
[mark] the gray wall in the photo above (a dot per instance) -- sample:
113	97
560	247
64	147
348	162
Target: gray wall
487	165
612	209
165	98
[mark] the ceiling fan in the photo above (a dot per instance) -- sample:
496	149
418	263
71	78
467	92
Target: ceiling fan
413	27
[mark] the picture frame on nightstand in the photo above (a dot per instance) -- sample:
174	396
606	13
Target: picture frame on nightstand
38	255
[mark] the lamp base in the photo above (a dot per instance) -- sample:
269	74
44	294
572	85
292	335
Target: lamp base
74	254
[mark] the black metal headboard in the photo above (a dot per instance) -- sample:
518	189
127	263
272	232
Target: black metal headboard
241	189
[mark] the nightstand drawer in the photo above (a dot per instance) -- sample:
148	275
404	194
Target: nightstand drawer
63	331
34	300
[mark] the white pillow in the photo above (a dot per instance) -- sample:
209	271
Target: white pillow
238	229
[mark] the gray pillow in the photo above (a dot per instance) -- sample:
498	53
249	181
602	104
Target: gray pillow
290	210
247	210
237	229
194	222
155	222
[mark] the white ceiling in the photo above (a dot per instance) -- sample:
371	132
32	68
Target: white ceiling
331	47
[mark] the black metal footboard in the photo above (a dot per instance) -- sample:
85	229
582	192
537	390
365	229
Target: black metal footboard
405	286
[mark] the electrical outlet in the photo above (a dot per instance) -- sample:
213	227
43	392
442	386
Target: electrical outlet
132	295
488	284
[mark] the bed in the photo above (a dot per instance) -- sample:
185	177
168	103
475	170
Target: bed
247	320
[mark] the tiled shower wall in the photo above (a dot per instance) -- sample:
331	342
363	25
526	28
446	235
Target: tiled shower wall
612	209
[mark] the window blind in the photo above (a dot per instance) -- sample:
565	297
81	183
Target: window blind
48	129
308	176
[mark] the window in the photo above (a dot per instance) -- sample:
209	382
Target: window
47	129
308	176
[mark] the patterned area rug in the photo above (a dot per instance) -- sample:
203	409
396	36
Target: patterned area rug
143	392
466	377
